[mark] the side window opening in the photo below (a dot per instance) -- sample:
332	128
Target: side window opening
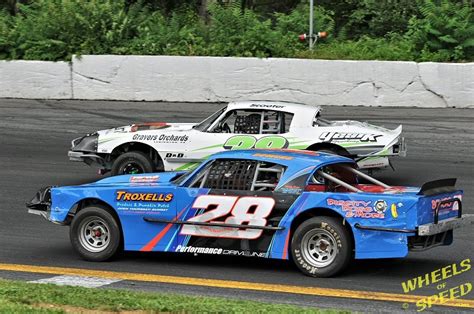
276	122
254	122
240	122
344	178
339	172
239	174
267	176
229	174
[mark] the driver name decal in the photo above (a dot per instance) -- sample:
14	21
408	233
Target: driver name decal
339	136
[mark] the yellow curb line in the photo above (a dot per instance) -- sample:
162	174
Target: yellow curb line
242	285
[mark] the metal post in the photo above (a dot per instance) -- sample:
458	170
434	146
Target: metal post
311	12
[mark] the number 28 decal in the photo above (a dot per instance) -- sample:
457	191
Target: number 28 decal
246	210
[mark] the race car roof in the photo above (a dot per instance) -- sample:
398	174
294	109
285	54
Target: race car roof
273	105
286	157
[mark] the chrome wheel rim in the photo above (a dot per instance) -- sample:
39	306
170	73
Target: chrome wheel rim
319	247
94	234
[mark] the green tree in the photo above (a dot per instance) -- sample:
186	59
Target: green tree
444	32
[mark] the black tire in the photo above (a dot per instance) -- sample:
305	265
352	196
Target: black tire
95	247
310	258
333	151
128	162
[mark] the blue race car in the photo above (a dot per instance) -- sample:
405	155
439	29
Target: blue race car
263	203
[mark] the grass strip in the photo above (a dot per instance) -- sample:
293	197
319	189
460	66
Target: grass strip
48	298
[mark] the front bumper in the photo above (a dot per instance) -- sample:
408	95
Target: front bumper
87	157
84	149
40	204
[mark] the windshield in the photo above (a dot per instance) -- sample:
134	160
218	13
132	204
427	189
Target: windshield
180	178
204	125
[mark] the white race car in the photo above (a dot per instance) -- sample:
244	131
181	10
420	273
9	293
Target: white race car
151	147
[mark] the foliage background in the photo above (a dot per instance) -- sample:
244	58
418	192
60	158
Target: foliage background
419	30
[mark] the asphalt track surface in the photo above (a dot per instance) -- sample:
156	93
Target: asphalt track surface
34	139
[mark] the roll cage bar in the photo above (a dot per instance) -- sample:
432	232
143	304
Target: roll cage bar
347	185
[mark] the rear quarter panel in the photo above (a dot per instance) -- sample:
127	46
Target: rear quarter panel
367	209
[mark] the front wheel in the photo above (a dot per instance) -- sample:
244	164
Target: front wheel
132	163
321	247
95	234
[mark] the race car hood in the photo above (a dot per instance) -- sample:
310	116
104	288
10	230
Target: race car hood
147	179
149	126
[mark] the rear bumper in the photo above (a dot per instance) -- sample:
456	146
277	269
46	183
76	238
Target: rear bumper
445	225
427	229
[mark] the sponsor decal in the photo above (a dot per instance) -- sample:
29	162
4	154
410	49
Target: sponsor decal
356	209
144	137
380	206
144	179
340	136
215	251
198	250
446	206
439	277
267	106
174	155
163	138
124	196
394	209
249	142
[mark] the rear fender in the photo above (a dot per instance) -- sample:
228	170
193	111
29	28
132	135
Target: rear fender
396	211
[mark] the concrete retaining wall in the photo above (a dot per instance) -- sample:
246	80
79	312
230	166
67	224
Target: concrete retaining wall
198	79
35	79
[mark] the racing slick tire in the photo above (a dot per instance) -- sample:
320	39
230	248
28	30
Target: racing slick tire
132	163
95	234
321	247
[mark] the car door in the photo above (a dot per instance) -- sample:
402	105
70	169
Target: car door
145	211
231	193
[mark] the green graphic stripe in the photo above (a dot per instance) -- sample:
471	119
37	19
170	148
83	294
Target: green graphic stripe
208	147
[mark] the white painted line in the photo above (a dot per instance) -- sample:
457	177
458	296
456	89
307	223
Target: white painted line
79	281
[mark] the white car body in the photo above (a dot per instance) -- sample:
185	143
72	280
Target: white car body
180	146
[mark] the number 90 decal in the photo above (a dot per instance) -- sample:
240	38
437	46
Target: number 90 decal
246	210
249	142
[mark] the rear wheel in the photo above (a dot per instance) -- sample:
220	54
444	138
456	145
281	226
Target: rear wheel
132	163
334	151
95	234
321	247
